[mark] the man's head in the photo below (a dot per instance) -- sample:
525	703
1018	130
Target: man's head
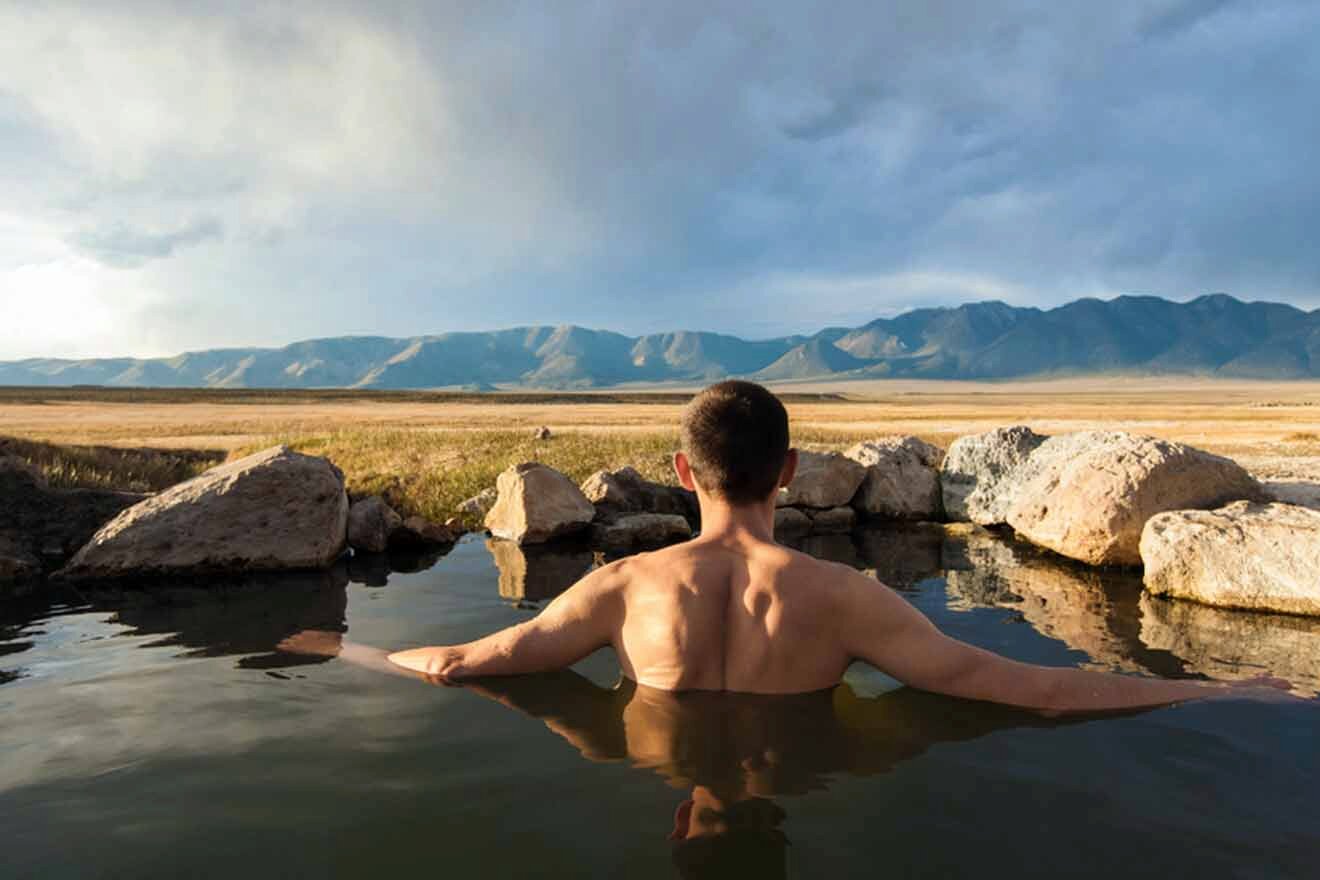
735	443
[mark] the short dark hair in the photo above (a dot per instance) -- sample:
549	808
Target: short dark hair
735	435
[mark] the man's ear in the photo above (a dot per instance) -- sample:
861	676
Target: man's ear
683	468
790	468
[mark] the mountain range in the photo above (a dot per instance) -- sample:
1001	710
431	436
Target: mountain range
1214	335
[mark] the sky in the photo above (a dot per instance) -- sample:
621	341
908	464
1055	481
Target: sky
176	176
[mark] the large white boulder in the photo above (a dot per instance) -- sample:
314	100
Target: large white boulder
537	504
975	478
275	509
823	479
902	478
1264	557
1088	495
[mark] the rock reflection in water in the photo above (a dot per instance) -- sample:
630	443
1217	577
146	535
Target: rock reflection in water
1080	607
248	621
734	753
1235	645
537	573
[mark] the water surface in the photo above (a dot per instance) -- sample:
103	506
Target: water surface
168	738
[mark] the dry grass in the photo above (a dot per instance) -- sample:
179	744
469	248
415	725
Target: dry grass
429	451
109	467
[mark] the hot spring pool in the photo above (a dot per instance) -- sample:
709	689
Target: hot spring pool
168	739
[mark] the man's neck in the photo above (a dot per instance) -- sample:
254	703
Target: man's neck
719	519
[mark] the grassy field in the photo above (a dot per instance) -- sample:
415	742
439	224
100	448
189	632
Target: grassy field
428	451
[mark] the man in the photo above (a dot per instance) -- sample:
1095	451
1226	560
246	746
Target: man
733	610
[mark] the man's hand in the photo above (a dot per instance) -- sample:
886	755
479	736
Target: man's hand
438	665
313	643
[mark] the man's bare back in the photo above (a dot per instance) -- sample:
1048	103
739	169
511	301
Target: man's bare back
729	614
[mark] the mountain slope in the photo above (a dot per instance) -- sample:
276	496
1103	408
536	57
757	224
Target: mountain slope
1210	335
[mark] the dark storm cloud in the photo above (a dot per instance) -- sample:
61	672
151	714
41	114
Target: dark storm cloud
646	166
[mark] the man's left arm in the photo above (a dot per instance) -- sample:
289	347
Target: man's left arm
580	620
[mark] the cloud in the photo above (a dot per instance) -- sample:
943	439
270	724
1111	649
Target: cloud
353	167
123	247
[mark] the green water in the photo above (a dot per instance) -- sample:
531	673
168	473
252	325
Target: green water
170	740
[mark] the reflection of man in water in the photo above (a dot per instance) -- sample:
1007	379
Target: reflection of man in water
733	610
735	752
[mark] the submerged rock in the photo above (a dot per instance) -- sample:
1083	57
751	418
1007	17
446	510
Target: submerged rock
902	478
370	523
276	509
1088	495
823	479
537	504
1263	557
641	530
975	481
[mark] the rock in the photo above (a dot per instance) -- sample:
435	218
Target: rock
480	504
370	523
276	509
537	504
902	479
1262	557
418	531
823	479
627	491
832	520
1234	645
973	476
791	521
541	433
641	530
49	525
17	564
1088	495
1298	493
538	572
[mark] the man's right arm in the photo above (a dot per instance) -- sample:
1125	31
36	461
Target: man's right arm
881	628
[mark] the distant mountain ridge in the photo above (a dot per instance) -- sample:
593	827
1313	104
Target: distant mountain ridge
1214	335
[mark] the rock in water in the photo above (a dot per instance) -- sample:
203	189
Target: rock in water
1263	557
834	520
418	531
627	491
1089	494
537	504
17	564
974	479
370	523
791	521
823	479
641	530
48	525
902	479
276	509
